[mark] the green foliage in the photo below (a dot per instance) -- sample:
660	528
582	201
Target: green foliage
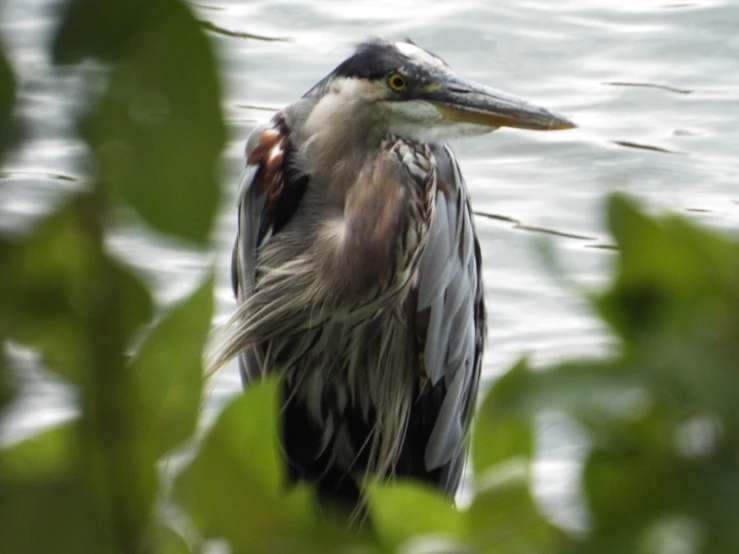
421	510
661	463
7	102
56	280
92	484
43	487
157	132
6	385
239	460
662	415
167	373
503	517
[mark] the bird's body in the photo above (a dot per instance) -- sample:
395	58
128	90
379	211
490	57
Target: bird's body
358	270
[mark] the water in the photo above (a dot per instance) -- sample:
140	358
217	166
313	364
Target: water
652	85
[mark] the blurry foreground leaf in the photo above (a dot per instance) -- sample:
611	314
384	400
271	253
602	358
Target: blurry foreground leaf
662	473
499	434
503	518
166	541
675	301
98	28
406	511
670	275
56	282
167	371
49	455
235	487
157	133
596	390
7	387
7	103
614	479
45	500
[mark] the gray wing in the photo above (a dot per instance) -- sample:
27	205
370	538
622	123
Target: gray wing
244	256
269	193
251	204
450	297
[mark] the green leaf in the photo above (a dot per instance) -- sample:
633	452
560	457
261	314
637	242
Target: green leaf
671	275
53	279
49	274
631	491
503	517
48	455
600	389
7	386
674	300
158	132
499	434
404	511
235	487
7	104
51	516
98	28
614	479
45	504
168	372
138	308
167	541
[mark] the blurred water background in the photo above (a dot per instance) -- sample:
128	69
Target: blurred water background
653	86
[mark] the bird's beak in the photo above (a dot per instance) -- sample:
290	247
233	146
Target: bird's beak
459	100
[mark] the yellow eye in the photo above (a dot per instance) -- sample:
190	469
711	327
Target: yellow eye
397	82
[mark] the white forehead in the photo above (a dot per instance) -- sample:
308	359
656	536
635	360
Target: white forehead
418	54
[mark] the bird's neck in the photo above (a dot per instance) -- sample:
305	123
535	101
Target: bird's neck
340	139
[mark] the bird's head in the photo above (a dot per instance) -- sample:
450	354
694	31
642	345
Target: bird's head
407	91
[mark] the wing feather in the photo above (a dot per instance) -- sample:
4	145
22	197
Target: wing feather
269	193
450	287
434	265
251	206
434	349
446	435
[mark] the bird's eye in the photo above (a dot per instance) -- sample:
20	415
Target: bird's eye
397	82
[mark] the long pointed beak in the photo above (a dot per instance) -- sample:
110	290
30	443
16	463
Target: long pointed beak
459	100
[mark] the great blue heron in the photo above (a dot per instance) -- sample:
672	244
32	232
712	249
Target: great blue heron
357	267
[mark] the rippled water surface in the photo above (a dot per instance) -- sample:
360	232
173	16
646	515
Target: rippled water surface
653	86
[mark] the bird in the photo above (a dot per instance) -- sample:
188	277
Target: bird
358	272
